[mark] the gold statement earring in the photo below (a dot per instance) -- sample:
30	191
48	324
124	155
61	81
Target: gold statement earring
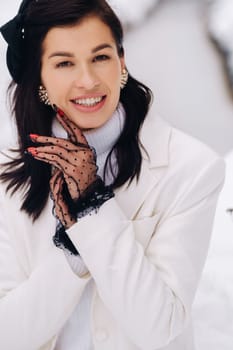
124	78
43	95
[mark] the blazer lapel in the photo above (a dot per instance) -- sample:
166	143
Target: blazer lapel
154	136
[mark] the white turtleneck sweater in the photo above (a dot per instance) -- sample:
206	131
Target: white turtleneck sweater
76	333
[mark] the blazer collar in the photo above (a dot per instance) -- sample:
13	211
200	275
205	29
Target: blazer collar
155	136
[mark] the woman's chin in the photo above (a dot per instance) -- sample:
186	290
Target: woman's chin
89	122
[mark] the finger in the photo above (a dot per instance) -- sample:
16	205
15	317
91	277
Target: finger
53	150
61	158
72	129
55	141
75	157
67	163
55	174
68	129
55	160
75	172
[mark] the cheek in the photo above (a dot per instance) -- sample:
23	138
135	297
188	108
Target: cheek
48	76
51	83
113	78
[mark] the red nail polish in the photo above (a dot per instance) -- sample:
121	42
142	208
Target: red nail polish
60	112
34	136
32	150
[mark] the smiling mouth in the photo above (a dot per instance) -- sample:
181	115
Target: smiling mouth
89	102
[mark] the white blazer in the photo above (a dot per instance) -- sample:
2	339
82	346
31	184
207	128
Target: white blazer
144	249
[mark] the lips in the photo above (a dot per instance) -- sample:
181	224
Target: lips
89	103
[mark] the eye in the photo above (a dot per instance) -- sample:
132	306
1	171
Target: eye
64	64
101	58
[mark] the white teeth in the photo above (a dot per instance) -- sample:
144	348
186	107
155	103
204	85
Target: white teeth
88	101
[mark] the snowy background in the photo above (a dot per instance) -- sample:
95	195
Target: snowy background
183	50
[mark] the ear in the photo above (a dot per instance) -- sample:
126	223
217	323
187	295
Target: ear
122	60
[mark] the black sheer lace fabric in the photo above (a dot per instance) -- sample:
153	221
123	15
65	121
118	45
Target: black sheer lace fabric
90	202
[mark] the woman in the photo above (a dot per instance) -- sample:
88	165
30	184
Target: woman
133	198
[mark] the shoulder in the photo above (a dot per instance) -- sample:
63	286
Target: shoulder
189	168
192	155
171	147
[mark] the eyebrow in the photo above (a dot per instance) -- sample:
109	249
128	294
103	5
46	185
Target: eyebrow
101	47
68	54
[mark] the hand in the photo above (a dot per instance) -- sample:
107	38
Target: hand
75	176
73	157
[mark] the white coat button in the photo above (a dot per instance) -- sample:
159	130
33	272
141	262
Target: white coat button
101	334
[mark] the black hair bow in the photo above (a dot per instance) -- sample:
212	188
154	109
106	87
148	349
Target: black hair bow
13	33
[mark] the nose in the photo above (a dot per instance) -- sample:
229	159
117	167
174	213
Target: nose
86	79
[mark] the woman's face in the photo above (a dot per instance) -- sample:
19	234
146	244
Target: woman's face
81	70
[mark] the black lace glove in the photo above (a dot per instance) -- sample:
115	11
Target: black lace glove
76	189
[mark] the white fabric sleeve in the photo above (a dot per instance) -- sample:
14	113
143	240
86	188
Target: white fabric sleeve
150	293
76	263
33	308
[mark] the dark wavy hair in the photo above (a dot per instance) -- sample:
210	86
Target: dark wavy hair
32	116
